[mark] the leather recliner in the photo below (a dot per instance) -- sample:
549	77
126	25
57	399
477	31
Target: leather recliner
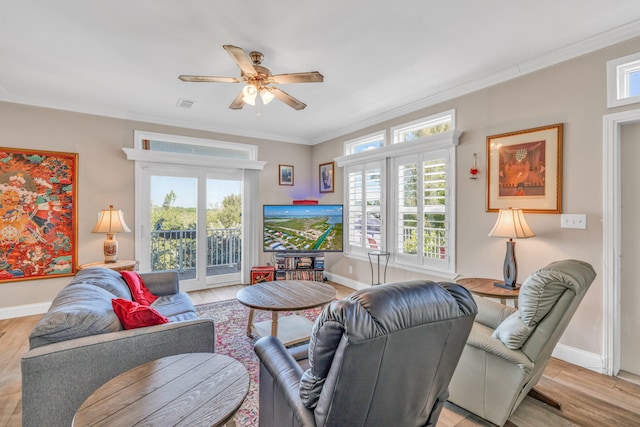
383	356
509	348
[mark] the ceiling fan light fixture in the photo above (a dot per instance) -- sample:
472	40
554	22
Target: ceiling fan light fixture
250	92
266	96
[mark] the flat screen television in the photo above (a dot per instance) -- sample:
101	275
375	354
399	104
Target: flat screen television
302	228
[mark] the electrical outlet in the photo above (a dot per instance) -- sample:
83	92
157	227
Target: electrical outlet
350	269
573	221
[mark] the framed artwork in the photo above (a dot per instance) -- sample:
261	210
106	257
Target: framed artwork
38	205
326	177
525	170
285	175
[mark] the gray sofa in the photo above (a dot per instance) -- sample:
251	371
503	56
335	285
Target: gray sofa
79	344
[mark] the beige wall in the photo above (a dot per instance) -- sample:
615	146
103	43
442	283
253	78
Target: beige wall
573	93
106	177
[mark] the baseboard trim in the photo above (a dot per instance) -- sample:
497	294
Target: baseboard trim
344	281
24	310
578	357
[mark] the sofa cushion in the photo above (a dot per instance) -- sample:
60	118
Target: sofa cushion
139	291
78	311
512	331
104	278
176	307
134	315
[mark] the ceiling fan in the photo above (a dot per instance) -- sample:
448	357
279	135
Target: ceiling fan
259	80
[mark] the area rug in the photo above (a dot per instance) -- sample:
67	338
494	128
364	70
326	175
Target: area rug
230	319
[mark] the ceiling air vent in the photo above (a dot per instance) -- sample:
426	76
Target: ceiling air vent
185	103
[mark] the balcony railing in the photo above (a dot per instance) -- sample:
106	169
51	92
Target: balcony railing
177	249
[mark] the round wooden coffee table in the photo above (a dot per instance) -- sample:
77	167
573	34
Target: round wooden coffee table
285	295
192	389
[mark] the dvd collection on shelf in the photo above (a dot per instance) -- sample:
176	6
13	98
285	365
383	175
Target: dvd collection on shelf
300	266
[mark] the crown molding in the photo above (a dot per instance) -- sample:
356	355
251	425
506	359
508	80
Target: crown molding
591	44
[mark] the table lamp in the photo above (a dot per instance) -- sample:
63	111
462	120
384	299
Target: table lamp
111	222
511	223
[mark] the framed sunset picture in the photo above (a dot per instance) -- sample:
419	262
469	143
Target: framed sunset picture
525	170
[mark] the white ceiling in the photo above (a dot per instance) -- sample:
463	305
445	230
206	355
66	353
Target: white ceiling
380	59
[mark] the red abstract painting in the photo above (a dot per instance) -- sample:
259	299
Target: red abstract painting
37	214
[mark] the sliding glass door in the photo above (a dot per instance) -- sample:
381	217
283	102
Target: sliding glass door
192	224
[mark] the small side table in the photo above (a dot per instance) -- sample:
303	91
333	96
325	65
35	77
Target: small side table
119	265
378	255
485	288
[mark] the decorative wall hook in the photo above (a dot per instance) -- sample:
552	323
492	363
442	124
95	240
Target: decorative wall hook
474	169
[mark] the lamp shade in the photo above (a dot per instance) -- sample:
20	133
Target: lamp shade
266	96
250	92
511	223
111	221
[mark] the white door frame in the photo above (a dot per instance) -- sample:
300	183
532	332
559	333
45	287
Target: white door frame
612	238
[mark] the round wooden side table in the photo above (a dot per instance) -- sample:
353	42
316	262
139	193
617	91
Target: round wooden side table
119	265
485	288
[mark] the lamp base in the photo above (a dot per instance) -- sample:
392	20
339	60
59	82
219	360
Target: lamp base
110	249
510	267
505	286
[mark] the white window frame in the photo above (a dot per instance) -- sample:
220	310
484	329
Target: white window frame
441	141
351	145
249	168
441	265
425	122
364	246
618	71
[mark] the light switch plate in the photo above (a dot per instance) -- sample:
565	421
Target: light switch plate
573	221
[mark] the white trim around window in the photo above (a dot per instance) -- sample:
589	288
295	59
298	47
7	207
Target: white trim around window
619	72
443	145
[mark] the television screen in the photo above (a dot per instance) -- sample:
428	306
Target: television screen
302	228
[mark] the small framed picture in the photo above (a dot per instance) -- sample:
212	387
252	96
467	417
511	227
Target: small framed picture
285	175
326	177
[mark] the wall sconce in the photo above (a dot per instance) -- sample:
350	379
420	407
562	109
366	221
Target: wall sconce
474	169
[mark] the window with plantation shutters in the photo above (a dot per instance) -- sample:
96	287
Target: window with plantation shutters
422	209
364	207
400	196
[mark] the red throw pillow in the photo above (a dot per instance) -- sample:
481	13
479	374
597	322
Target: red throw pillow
139	291
133	315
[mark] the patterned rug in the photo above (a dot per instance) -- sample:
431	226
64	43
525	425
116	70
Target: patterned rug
230	319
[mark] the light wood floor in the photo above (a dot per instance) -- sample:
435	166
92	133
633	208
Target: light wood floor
588	398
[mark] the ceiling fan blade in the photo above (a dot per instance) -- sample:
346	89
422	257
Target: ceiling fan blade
209	79
237	103
310	77
287	99
241	59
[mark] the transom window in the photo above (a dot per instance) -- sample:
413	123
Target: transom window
623	80
423	127
370	142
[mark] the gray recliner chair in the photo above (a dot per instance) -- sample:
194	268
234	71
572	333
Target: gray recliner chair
509	348
381	357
